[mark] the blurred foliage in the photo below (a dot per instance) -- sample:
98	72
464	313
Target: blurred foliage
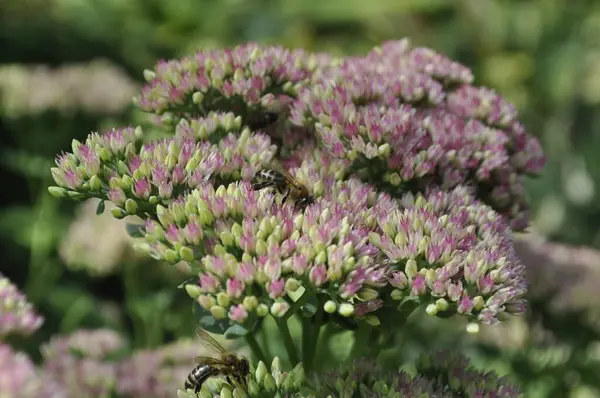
69	66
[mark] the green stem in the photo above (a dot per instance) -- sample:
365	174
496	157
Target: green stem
265	342
361	340
322	346
313	341
255	348
288	341
378	345
306	340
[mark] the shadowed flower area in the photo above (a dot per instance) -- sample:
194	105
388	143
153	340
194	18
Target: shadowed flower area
17	315
439	375
80	363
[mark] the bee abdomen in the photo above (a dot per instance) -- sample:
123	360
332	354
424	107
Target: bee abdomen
270	175
199	375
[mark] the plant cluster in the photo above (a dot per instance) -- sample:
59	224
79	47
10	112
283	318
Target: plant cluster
416	174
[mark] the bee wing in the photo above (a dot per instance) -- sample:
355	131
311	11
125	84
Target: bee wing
208	342
209	360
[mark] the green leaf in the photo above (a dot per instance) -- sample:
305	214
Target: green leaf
209	322
135	230
236	331
100	208
297	295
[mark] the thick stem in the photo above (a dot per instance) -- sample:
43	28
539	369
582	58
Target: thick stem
307	333
288	341
361	340
322	347
313	341
379	342
255	348
265	343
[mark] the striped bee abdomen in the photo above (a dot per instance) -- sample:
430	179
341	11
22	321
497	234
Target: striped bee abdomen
198	376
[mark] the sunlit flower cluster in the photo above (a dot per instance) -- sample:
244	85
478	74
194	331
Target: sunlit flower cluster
245	79
136	177
453	252
407	118
251	252
17	315
416	182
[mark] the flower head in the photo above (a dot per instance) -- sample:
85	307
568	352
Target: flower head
453	253
243	79
440	375
452	371
408	117
249	250
136	176
18	376
17	315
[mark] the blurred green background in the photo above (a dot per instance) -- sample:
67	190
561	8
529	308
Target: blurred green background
69	67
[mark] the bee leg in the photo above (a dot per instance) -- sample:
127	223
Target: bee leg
261	184
285	196
229	380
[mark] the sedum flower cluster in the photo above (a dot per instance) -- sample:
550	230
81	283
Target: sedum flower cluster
80	363
453	254
251	255
17	315
409	117
439	375
18	376
415	174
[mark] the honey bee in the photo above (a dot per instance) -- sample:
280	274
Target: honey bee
263	120
285	184
229	365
